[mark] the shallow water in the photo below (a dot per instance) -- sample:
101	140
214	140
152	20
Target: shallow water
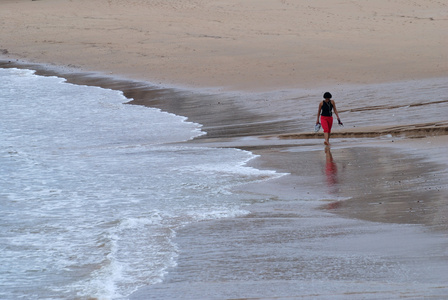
93	190
101	198
361	225
365	223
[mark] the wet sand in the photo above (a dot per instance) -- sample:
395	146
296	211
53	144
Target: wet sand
362	220
363	223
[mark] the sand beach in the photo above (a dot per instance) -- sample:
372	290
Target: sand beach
252	45
359	220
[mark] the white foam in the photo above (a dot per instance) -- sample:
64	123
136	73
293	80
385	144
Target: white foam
94	192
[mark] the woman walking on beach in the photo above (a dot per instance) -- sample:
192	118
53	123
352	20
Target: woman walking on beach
326	116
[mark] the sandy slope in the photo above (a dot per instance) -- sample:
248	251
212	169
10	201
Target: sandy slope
251	44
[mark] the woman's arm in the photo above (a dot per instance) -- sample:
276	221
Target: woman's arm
318	112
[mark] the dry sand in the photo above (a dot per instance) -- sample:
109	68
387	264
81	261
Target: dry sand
252	44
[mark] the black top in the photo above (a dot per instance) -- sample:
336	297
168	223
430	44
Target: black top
327	108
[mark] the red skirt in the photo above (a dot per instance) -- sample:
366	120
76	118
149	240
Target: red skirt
327	123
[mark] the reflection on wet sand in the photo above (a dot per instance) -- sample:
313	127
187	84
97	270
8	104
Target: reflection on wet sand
331	176
331	171
383	186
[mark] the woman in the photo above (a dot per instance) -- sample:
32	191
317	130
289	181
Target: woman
326	119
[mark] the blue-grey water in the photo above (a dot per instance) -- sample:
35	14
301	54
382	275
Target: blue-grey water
100	199
93	190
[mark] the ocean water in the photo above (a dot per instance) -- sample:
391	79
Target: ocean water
93	190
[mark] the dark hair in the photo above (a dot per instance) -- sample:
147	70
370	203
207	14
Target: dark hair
327	95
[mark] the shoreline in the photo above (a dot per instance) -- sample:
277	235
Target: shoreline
256	135
252	119
288	154
191	103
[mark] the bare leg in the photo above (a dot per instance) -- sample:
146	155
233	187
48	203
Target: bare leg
327	138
